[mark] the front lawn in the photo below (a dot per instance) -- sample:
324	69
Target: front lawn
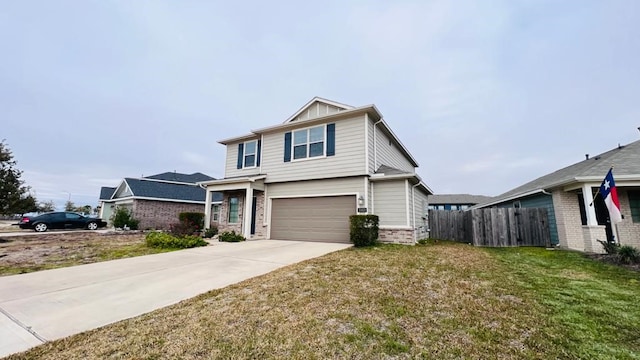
444	301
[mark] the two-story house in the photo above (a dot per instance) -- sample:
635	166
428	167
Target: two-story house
301	180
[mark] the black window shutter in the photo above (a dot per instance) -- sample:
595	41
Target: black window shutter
258	153
240	155
287	147
331	139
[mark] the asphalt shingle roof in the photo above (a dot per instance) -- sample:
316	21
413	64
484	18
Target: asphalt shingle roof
457	199
388	170
106	192
625	159
163	190
178	177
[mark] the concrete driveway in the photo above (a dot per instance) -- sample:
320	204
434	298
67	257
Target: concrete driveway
52	304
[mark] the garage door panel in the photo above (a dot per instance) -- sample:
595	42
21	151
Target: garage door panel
312	219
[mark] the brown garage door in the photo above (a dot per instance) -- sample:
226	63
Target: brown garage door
312	219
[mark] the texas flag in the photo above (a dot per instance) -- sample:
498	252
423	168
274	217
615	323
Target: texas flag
610	196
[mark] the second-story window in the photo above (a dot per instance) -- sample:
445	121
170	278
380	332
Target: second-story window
250	149
308	142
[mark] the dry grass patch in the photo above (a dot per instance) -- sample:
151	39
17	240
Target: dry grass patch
23	254
442	301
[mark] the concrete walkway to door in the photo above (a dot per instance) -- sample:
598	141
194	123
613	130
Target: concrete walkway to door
52	304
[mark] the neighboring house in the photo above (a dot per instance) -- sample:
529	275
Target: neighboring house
455	201
301	180
568	193
157	200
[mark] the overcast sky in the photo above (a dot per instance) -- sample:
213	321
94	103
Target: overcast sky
487	95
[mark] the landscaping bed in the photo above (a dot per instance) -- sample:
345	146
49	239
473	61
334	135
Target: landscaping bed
442	301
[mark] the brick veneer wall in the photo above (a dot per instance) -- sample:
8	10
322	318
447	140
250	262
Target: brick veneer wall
591	235
567	210
261	228
396	236
628	231
161	214
223	224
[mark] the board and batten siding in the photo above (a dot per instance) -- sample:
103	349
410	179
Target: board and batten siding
231	163
390	202
389	154
539	201
317	109
347	161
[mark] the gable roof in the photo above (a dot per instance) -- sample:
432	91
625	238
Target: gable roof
317	99
106	192
162	190
178	177
463	199
625	159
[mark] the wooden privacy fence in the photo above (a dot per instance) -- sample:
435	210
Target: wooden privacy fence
495	227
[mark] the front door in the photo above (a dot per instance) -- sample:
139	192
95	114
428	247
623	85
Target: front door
253	215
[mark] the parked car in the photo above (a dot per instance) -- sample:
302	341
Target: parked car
60	220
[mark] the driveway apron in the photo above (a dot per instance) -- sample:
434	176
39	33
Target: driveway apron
48	305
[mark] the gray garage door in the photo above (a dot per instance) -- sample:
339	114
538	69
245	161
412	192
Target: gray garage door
312	219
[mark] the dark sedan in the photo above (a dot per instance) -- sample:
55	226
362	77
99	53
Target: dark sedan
60	220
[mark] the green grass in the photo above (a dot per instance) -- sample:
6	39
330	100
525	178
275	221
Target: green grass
443	300
593	306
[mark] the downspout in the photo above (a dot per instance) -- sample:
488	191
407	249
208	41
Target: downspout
375	145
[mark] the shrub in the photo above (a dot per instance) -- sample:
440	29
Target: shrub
122	218
628	255
423	241
230	237
211	232
194	218
610	247
363	229
183	228
166	241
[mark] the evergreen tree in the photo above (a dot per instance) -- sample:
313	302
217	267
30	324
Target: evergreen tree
13	193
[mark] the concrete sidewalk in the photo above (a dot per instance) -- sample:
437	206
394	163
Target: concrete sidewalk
53	304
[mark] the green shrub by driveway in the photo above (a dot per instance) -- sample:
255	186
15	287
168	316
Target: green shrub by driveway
230	236
166	241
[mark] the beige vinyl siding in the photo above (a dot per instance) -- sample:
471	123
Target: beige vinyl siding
347	161
317	109
390	202
231	163
420	210
388	154
371	160
122	192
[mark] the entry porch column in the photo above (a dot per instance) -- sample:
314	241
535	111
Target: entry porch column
587	194
248	213
207	208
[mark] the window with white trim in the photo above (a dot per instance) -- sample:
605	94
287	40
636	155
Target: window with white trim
233	210
308	143
216	213
250	152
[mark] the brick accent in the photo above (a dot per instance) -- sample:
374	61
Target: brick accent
261	228
628	231
161	214
591	235
567	210
396	236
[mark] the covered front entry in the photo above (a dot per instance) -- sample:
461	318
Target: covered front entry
323	219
